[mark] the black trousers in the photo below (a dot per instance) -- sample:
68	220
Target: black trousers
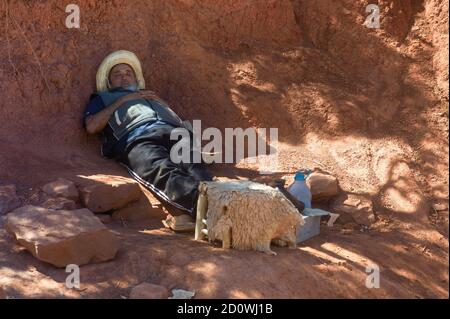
148	160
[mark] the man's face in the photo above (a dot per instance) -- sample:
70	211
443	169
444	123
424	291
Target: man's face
122	75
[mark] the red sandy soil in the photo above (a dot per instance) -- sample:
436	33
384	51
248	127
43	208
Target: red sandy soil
369	106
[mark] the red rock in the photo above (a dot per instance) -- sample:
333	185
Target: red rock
323	186
62	237
354	207
149	291
62	188
8	199
104	218
59	203
110	192
137	211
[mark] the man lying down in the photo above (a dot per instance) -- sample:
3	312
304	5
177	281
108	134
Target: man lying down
135	126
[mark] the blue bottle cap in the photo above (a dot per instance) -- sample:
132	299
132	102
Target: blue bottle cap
299	176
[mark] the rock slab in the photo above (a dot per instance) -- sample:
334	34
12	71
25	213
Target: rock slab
356	207
110	193
323	186
62	188
62	237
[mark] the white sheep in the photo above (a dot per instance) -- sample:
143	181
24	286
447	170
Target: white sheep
249	215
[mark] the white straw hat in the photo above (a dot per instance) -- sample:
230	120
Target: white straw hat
115	58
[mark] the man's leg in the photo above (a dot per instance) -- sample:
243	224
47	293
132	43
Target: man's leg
198	171
152	163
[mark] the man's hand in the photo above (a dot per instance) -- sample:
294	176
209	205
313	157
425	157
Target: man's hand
150	95
129	97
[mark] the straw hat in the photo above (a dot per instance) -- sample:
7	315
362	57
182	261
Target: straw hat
114	59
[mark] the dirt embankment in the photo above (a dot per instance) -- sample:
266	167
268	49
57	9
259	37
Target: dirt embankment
368	105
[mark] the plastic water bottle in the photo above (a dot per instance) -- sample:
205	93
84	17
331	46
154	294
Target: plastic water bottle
300	190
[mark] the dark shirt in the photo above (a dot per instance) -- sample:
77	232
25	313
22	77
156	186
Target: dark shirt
111	146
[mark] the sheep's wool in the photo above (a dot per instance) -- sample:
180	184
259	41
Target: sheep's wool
254	213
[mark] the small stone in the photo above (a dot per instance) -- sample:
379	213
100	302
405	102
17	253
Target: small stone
8	199
59	203
62	237
62	188
149	291
110	193
323	186
356	207
137	211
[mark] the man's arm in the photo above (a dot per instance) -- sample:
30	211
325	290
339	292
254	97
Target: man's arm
96	123
151	95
